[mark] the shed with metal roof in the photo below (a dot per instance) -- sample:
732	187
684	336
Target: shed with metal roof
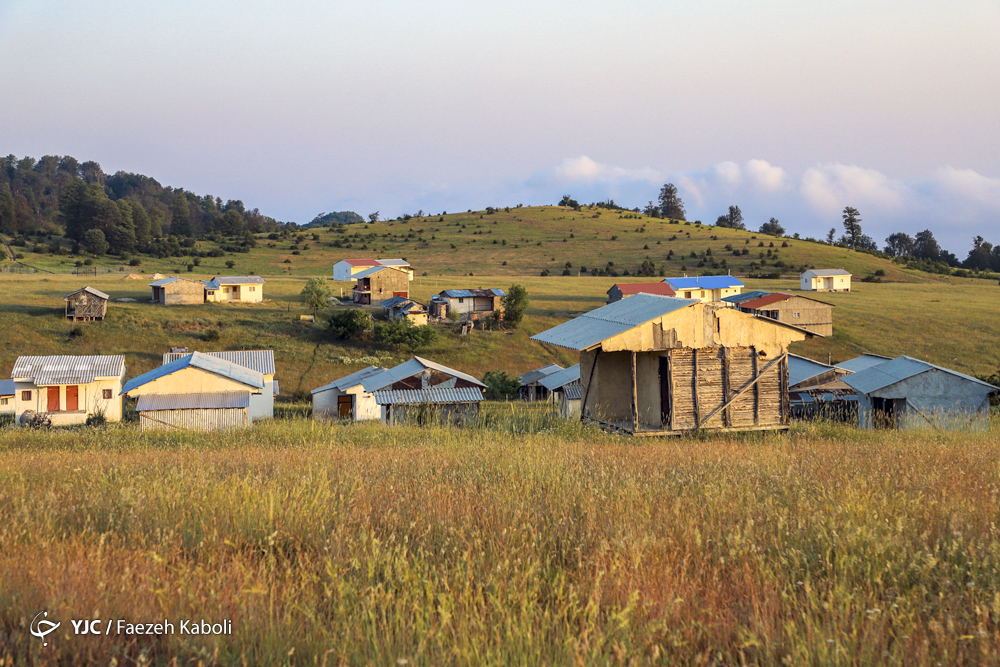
6	396
654	365
531	388
908	393
174	291
261	361
86	305
433	405
825	280
194	412
469	304
800	311
346	398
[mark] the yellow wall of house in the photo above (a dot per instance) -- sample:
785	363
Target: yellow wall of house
190	381
247	293
90	398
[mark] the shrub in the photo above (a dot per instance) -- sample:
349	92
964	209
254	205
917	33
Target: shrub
350	323
211	335
500	386
402	333
135	261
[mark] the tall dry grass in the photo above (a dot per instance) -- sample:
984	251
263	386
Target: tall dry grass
328	544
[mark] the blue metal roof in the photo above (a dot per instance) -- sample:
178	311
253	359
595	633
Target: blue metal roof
801	369
205	362
215	401
539	373
562	378
899	369
858	364
432	395
394	301
746	296
409	369
352	380
455	293
591	329
6	387
573	392
165	281
703	282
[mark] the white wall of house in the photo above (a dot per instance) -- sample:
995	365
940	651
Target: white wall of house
246	293
824	283
99	396
326	404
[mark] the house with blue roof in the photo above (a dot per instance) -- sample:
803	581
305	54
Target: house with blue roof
469	304
705	288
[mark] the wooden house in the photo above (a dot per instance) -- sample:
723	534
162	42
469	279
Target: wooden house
907	393
825	280
259	361
174	291
228	289
800	311
619	291
68	388
401	307
196	392
86	305
654	365
378	393
531	388
705	288
470	304
380	283
347	269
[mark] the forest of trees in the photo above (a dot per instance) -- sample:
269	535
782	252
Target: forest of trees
127	212
335	218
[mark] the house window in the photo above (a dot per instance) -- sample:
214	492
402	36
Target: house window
795	314
26	395
687	295
4	401
253	289
106	393
461	300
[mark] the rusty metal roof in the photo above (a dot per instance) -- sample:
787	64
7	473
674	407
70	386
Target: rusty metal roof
261	361
661	288
214	401
767	300
432	395
46	371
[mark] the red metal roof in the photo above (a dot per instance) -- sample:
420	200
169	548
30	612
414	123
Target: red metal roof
756	304
662	289
362	262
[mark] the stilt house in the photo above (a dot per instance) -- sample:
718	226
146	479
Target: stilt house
86	305
654	365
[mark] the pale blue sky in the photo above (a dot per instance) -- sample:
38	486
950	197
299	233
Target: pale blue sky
303	107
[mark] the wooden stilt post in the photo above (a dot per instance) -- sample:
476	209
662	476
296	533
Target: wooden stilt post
727	414
694	378
635	397
756	390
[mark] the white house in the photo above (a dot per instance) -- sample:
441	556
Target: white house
825	280
345	398
68	388
346	269
260	361
246	289
198	392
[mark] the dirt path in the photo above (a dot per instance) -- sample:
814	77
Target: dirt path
10	253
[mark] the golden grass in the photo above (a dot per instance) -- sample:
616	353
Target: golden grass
369	545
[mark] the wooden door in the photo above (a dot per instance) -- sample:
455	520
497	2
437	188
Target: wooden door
72	398
665	392
53	399
344	407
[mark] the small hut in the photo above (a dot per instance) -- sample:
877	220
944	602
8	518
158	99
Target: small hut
531	388
86	305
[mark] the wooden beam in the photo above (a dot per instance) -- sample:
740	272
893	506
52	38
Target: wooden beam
670	381
756	392
727	415
752	383
635	396
584	411
694	379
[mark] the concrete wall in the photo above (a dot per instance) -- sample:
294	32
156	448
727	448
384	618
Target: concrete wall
805	313
182	293
325	405
933	399
90	399
244	293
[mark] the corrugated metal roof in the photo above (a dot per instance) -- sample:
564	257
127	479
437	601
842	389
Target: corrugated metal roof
165	281
562	378
393	262
45	371
432	395
590	329
89	290
897	370
661	288
801	369
238	280
410	368
738	299
703	282
464	293
821	273
394	301
261	361
858	364
539	373
361	262
573	392
205	362
352	380
229	399
6	387
372	271
767	300
413	307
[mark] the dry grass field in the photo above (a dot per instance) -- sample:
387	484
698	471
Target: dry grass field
517	543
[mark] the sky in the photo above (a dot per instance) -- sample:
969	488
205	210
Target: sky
791	110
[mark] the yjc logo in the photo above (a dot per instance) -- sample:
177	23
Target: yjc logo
40	628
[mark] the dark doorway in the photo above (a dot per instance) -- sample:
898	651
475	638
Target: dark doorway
665	392
345	407
883	413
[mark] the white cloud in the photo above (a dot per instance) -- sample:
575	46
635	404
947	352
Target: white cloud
766	176
831	187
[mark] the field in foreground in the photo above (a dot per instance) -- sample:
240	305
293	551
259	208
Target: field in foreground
360	544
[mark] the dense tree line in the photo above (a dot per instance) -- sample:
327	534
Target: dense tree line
58	194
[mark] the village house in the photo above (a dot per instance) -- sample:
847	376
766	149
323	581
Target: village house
246	289
347	269
400	307
531	388
907	393
174	291
469	304
654	365
817	391
378	393
800	311
380	283
195	392
619	291
259	361
69	389
825	280
860	363
561	387
86	305
569	401
6	397
705	288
